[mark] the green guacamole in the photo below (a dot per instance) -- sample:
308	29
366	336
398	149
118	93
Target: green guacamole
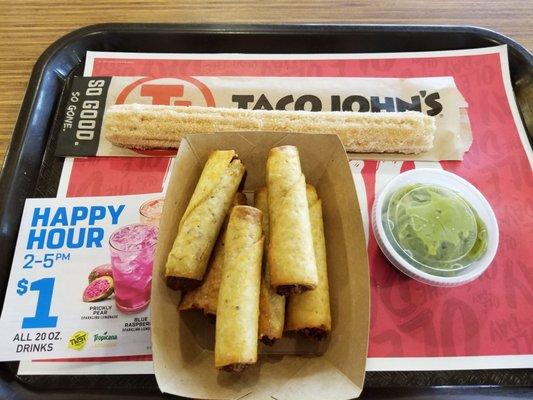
434	228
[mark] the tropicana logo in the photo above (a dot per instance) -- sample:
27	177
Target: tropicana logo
104	337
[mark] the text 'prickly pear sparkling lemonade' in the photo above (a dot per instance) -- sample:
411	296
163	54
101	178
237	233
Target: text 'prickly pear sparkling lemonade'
132	256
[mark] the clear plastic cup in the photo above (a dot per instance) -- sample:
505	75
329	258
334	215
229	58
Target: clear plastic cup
132	256
446	254
150	211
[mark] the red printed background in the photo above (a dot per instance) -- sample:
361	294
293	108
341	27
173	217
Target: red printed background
491	316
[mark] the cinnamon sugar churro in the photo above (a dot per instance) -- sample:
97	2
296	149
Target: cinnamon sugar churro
141	126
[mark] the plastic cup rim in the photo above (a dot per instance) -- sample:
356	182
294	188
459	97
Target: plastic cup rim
133	224
149	201
479	266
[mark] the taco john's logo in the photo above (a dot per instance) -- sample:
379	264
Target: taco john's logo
78	340
176	91
186	91
423	101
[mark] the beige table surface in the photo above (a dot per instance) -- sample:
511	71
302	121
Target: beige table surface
27	28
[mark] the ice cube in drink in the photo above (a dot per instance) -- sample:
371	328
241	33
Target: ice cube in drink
132	256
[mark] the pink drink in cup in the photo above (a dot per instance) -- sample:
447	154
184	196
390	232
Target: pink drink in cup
132	256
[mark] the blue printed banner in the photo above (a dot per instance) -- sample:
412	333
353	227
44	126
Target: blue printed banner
81	277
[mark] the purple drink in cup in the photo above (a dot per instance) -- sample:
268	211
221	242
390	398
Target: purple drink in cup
132	256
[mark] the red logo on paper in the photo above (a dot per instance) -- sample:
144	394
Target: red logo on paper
163	94
185	91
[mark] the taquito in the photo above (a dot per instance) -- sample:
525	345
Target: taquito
205	297
291	256
309	313
238	298
202	220
271	304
